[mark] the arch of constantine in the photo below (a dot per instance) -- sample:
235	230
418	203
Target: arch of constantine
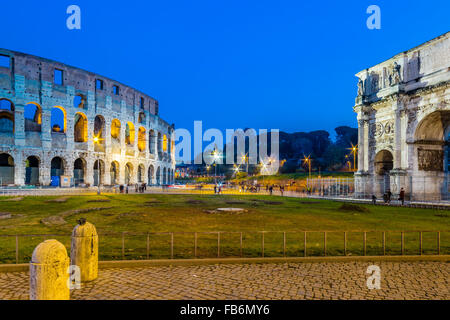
403	112
58	121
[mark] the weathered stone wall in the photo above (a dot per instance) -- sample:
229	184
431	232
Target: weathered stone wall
403	108
30	79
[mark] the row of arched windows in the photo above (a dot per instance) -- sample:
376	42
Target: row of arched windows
58	123
57	168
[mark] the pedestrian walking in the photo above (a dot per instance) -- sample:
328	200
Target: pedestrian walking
402	196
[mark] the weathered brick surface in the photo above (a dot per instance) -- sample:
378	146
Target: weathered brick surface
340	280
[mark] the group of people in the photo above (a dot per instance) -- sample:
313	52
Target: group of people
388	195
217	189
141	188
271	188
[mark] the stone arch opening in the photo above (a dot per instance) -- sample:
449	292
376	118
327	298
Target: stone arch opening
80	128
151	141
141	139
79	101
56	171
58	120
79	169
151	171
128	173
6	116
164	176
384	163
33	117
99	127
164	143
32	171
114	172
141	118
99	133
140	173
99	172
160	148
158	176
6	169
129	134
431	141
115	129
433	127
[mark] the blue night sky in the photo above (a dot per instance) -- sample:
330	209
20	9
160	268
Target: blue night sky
288	65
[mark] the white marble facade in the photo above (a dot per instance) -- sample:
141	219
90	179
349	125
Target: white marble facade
403	117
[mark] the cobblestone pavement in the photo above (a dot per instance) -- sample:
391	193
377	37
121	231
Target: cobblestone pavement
330	280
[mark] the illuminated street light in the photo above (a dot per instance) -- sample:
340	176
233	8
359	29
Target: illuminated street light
96	140
307	160
353	150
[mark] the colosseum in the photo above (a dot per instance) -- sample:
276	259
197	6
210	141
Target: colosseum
63	126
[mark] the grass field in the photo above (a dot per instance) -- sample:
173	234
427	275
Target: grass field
185	214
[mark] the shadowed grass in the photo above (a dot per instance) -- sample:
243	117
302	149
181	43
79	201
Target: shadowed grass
150	213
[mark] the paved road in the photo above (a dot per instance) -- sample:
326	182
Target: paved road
331	280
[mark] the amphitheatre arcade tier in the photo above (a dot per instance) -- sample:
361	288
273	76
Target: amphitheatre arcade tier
60	125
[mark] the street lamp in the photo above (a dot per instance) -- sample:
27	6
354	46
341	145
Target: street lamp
353	150
307	160
216	156
96	140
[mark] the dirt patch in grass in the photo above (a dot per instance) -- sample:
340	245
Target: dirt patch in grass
349	207
267	201
99	200
308	202
5	215
13	199
77	211
441	215
194	201
235	202
53	221
58	200
132	214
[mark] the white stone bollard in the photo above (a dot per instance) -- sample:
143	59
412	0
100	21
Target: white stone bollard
84	251
49	272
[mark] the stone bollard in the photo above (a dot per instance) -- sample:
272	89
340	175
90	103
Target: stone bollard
49	272
84	252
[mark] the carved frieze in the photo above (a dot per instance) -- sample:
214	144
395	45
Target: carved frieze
430	160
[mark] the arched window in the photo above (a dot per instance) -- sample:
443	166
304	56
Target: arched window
32	171
80	128
141	118
58	119
128	173
6	116
115	129
151	171
140	173
151	143
114	172
158	176
33	117
141	139
99	172
160	142
56	171
99	129
164	144
6	169
79	169
79	101
129	134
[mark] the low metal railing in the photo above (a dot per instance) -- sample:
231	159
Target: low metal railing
245	244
